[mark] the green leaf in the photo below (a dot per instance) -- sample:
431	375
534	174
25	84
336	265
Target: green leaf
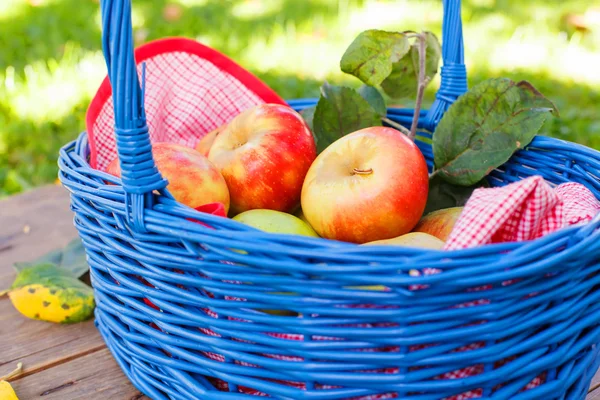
444	194
340	111
371	55
308	114
374	98
74	258
50	293
71	258
48	275
485	126
403	80
53	257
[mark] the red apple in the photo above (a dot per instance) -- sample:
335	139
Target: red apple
193	180
204	145
264	154
369	185
439	223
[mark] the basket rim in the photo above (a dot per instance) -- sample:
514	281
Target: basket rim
236	230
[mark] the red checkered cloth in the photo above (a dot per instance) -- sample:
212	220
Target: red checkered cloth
524	210
190	90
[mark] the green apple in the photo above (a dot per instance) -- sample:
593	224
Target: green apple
275	222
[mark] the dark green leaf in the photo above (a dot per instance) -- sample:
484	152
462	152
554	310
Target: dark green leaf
340	111
74	258
53	257
485	126
48	274
374	98
371	55
403	80
308	114
443	194
71	258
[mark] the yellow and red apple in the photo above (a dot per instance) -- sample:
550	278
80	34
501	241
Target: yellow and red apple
204	145
411	239
439	223
264	154
369	185
193	179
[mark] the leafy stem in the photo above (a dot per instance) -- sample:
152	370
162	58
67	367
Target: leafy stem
14	373
420	85
397	126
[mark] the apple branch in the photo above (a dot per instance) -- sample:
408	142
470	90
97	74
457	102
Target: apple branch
396	125
14	373
420	86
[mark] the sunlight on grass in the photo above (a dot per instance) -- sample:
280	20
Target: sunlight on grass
253	9
49	90
316	50
10	8
535	46
189	3
51	61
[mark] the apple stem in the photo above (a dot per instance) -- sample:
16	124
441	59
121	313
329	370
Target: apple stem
14	373
397	126
358	171
421	85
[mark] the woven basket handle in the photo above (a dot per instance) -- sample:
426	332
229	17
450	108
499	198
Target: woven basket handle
139	174
453	72
138	170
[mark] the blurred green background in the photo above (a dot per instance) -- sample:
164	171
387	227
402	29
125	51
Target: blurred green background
51	63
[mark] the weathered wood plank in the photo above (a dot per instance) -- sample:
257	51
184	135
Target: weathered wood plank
32	224
59	361
594	388
37	344
41	344
94	376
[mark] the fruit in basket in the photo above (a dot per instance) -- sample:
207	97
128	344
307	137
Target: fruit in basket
264	154
204	145
369	185
439	223
275	222
412	239
193	179
300	214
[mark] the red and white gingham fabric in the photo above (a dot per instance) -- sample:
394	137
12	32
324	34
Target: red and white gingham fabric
523	210
190	90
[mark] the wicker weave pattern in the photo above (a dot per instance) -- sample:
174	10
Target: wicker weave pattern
179	303
547	316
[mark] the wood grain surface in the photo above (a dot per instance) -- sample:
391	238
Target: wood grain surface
59	361
94	376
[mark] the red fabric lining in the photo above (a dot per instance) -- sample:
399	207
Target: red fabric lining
174	66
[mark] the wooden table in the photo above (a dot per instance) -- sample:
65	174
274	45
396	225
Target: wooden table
59	362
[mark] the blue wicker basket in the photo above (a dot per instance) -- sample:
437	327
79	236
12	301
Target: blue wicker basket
200	339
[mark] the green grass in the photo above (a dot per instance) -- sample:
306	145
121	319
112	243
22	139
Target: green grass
51	63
